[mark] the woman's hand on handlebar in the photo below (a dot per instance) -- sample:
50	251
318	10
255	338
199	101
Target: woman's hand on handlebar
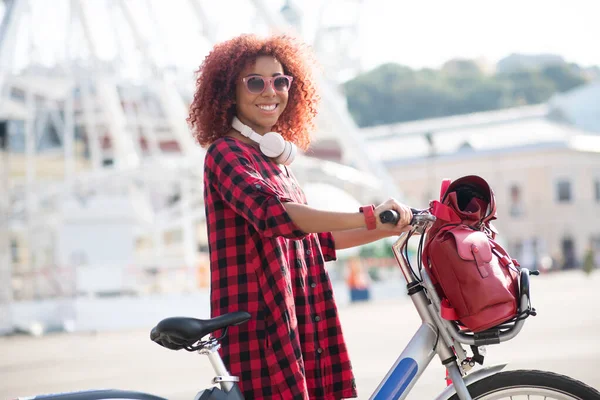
403	211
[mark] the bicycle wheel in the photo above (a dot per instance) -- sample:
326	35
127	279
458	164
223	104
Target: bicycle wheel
530	385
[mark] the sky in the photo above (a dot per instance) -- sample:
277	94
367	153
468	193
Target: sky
417	33
429	32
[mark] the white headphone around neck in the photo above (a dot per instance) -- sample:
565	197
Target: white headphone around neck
272	144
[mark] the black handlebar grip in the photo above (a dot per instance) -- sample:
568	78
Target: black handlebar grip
392	216
389	217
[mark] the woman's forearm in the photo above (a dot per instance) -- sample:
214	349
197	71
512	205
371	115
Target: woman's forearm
356	237
310	220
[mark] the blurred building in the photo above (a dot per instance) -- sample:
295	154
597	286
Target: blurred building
544	169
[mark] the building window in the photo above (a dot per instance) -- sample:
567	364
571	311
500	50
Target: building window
17	94
3	135
527	252
14	251
564	191
517	249
516	202
568	253
597	190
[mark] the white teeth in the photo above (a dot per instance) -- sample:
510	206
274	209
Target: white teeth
269	107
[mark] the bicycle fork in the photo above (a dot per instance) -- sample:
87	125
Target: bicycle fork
441	347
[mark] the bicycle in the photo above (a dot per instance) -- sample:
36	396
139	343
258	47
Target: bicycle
435	336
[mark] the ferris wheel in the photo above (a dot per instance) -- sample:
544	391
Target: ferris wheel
93	102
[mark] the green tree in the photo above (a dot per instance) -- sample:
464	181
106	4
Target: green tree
395	93
563	76
588	261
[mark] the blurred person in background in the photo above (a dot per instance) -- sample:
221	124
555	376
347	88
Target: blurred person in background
589	262
267	247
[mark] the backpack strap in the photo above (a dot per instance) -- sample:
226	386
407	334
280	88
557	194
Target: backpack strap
443	212
444	188
505	260
447	311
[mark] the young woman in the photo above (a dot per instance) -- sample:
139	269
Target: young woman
267	247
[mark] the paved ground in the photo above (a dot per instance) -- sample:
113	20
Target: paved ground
563	338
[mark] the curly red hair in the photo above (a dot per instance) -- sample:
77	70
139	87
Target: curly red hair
213	106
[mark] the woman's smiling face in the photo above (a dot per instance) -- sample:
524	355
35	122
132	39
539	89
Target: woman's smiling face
260	111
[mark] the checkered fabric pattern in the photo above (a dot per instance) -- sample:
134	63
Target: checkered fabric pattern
262	263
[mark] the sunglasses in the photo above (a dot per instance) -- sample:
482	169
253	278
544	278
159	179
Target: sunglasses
258	84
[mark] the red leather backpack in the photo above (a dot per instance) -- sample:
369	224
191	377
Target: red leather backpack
474	276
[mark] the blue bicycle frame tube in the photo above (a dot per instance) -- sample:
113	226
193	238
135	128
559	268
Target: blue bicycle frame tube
410	365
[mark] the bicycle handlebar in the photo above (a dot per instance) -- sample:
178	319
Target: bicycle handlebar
419	217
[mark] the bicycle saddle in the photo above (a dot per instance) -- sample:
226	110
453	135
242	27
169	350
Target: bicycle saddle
177	333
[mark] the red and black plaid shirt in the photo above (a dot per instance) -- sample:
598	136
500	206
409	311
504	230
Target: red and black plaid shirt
261	262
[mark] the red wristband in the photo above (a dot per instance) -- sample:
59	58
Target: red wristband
369	212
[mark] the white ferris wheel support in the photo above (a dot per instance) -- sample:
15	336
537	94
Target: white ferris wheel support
99	86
